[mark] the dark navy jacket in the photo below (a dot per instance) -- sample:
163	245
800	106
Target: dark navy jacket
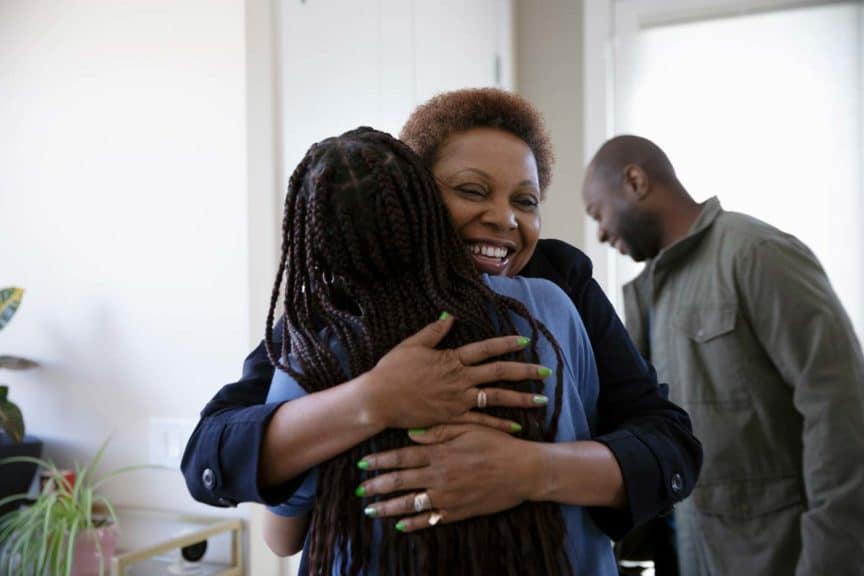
651	438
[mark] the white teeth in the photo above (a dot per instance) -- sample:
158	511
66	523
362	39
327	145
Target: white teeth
489	251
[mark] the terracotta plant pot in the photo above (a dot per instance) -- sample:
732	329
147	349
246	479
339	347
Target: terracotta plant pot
88	555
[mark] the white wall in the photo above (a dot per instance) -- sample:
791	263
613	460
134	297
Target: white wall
549	74
124	215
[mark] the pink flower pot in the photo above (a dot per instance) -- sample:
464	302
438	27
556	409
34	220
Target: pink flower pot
87	557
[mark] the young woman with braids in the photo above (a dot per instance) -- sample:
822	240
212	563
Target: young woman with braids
490	155
369	254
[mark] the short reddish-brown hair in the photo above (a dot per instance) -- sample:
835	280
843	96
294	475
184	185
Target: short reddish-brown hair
433	122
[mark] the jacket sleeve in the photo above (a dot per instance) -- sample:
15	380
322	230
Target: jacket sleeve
651	438
804	329
220	463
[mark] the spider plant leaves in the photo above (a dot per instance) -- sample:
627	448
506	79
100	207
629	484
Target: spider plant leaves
17	363
10	299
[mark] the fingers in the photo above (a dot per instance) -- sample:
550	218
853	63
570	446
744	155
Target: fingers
507	398
411	479
431	334
439	434
506	371
426	520
481	419
399	506
410	457
477	352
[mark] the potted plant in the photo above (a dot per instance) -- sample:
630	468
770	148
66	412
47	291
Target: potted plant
13	441
68	530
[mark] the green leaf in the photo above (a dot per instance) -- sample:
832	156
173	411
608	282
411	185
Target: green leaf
10	299
17	363
12	421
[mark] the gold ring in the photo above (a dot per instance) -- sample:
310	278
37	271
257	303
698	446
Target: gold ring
422	502
481	399
435	518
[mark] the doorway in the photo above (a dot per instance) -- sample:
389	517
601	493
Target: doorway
758	103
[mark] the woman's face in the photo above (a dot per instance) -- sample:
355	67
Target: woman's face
488	178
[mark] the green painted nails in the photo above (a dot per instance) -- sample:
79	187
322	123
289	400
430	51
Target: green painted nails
416	431
543	371
515	428
360	491
540	400
370	511
401	526
523	340
363	465
444	316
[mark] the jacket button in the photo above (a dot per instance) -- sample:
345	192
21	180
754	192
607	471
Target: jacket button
677	483
209	478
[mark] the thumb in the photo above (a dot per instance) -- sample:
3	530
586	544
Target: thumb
431	334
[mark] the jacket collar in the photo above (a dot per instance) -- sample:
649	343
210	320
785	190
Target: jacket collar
678	250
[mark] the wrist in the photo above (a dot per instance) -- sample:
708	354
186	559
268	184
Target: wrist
371	410
536	479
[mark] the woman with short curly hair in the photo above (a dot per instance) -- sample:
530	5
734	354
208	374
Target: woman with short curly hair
490	156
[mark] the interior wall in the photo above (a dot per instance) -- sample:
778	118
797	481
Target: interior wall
123	189
549	74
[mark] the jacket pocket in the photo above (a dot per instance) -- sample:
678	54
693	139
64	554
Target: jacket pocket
748	499
709	357
705	324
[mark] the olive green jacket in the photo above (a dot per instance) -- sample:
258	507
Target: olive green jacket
741	321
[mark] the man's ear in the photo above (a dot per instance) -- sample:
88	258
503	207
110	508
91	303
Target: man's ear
636	182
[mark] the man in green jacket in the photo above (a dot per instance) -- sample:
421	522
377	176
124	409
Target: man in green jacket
741	321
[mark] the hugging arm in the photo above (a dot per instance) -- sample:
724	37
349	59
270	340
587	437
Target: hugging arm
245	450
643	456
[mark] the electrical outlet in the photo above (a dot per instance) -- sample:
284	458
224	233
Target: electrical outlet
168	437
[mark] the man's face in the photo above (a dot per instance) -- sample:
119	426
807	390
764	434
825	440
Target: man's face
621	221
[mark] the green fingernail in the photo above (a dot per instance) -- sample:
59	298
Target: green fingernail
417	431
363	465
360	491
401	525
514	428
523	340
370	511
444	316
540	399
543	371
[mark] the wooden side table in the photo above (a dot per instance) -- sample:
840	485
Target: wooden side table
150	543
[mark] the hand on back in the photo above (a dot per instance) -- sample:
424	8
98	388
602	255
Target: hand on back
415	385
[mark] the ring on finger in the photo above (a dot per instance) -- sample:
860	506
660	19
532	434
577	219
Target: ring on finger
422	502
435	518
481	399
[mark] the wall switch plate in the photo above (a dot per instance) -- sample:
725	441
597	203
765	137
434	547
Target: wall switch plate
168	437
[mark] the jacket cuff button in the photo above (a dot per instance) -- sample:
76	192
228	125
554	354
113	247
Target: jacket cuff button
676	483
208	478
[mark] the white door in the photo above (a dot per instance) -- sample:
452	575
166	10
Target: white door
758	103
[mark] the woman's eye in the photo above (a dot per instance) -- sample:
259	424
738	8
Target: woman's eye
471	190
528	202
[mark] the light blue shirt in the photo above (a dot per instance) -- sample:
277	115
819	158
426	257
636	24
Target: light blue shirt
588	549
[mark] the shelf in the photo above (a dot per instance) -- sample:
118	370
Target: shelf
150	542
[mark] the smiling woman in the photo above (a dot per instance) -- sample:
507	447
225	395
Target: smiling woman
489	180
489	152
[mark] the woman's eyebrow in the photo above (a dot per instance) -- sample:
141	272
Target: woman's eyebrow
473	170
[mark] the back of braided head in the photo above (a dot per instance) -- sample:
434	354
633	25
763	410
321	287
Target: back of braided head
370	256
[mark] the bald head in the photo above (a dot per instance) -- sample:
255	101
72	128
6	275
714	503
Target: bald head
632	192
613	157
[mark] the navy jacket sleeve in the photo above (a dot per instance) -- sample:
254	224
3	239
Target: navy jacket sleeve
229	437
651	437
